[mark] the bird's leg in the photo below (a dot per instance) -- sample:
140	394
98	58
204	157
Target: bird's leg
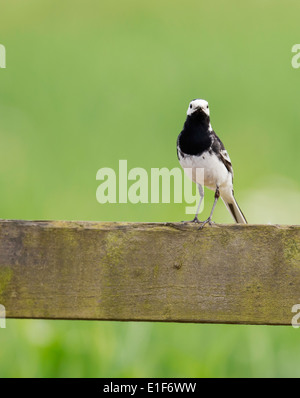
209	221
201	192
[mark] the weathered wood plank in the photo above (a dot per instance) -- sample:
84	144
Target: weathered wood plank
161	272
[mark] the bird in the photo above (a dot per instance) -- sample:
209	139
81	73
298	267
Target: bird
199	147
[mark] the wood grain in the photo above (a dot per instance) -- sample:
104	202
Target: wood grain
246	274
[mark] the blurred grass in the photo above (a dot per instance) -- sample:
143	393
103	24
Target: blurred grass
89	83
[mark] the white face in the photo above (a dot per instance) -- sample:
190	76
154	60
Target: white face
197	104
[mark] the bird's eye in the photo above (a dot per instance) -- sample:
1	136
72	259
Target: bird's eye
207	106
191	106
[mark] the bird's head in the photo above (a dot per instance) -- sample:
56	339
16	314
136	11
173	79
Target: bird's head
198	107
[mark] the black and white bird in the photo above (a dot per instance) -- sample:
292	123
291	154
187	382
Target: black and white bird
198	147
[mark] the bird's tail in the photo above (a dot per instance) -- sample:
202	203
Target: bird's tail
234	209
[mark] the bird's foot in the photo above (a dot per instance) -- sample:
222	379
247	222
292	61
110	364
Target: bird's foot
194	221
208	221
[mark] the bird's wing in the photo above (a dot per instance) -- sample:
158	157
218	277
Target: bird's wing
219	149
226	160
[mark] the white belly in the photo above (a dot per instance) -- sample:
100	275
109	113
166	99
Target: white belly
215	172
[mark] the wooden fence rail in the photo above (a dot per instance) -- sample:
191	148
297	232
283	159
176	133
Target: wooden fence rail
246	274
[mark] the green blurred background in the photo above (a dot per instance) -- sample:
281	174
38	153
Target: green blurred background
90	82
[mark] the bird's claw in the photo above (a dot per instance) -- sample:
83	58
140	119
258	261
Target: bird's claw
208	221
194	221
